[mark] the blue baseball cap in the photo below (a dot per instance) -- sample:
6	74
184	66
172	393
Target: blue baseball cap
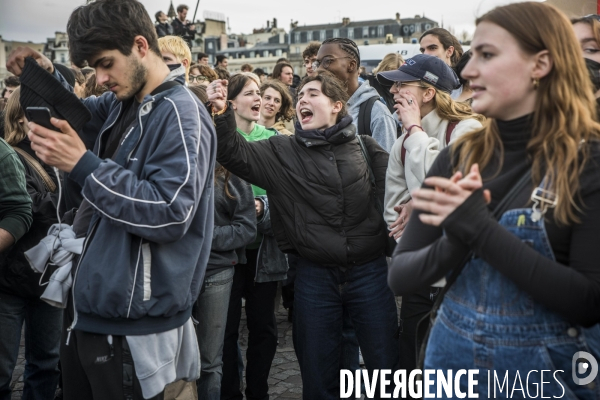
422	67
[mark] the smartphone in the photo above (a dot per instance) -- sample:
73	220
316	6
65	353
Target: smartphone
41	116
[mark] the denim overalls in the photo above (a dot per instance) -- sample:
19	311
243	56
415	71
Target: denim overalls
487	323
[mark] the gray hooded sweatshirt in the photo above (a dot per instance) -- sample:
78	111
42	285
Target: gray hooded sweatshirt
383	125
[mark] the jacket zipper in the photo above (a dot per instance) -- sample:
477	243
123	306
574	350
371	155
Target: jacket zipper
108	127
141	130
85	243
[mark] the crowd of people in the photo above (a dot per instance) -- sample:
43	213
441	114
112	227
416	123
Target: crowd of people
439	213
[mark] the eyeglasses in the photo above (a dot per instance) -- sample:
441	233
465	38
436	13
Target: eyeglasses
198	78
326	62
402	84
592	16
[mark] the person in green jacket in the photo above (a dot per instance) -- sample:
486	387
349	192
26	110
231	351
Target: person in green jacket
266	265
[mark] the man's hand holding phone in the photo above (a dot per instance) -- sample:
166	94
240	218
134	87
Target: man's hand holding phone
62	149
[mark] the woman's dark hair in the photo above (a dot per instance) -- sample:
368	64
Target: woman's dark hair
92	88
12	81
460	65
279	69
222	73
79	78
206	71
108	25
331	87
200	92
446	39
237	83
286	112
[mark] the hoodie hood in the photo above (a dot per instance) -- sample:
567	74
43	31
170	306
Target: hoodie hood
362	94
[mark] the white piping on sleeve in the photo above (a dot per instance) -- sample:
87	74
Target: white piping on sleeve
187	159
199	121
126	197
187	156
140	225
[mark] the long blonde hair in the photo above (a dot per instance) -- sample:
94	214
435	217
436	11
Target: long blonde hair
390	62
452	110
14	131
565	109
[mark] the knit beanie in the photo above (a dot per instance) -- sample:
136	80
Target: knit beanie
41	89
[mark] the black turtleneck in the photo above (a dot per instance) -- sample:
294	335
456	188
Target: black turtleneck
569	286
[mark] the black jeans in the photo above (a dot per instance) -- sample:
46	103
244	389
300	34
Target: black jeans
414	308
91	370
262	333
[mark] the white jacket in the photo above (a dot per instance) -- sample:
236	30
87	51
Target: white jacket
422	147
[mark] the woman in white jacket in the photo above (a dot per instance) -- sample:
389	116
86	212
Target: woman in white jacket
431	120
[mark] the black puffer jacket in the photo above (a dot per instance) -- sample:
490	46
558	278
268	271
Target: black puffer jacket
322	204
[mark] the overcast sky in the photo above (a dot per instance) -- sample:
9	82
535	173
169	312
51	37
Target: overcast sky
35	20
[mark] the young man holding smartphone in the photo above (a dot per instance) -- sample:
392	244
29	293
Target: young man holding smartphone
148	210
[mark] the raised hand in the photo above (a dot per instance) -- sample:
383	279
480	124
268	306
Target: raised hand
16	60
217	94
447	195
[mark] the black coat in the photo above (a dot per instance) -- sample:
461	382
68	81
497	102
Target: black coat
16	275
322	203
162	30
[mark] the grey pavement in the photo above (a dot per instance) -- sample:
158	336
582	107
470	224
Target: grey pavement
284	379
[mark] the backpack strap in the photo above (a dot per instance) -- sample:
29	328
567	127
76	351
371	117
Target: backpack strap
37	167
449	130
364	116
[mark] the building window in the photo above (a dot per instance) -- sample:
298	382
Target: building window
297	50
62	58
366	32
309	36
210	45
427	27
278	52
252	54
380	31
265	53
418	28
323	35
297	37
350	33
336	33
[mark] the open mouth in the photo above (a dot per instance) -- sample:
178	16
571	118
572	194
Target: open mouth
256	108
305	114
